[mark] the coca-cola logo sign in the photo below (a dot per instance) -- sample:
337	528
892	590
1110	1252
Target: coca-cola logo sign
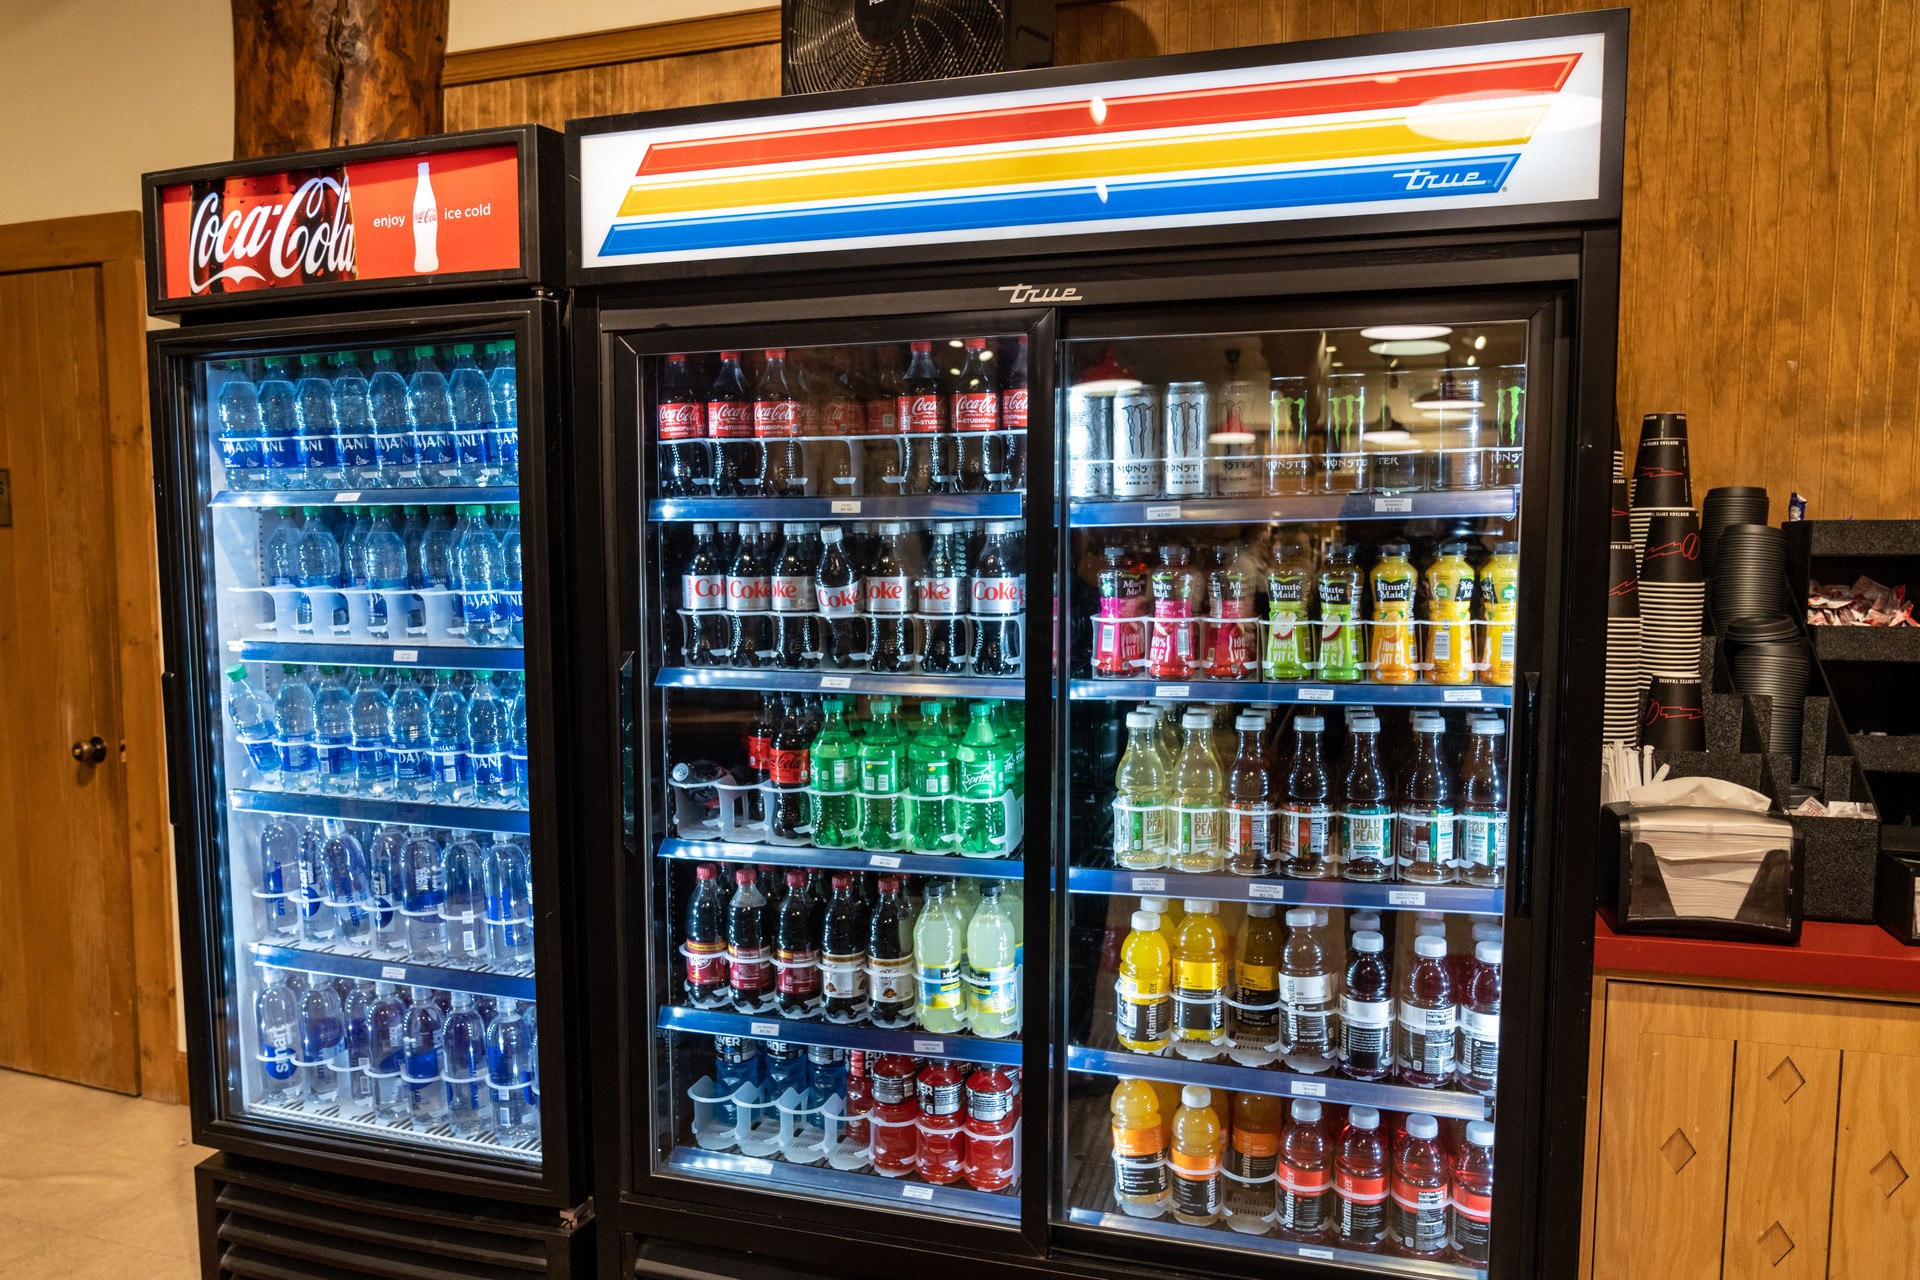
312	233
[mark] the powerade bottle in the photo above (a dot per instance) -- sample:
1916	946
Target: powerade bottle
316	439
737	1066
279	430
396	454
293	729
430	420
243	444
353	423
252	724
473	426
503	444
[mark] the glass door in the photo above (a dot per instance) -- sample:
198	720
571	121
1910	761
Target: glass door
830	766
1292	575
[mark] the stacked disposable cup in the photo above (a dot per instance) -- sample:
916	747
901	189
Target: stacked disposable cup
1621	718
1726	506
1674	718
1662	482
1768	657
1749	580
1673	596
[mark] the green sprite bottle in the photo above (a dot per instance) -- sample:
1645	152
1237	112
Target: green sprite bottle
879	812
836	769
931	826
983	779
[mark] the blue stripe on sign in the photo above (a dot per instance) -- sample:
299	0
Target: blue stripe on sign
1171	198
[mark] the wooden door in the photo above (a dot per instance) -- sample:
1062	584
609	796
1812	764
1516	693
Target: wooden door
1876	1167
77	834
1780	1165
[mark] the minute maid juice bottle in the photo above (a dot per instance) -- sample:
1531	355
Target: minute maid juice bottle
1342	590
1289	650
1392	632
1499	592
1449	638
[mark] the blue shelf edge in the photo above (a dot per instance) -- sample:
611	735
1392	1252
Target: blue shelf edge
1255	692
486	494
504	986
1296	508
901	685
1458	899
918	864
1280	1083
814	1178
426	657
911	1042
932	506
402	812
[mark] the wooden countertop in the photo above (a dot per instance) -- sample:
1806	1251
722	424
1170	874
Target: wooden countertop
1853	957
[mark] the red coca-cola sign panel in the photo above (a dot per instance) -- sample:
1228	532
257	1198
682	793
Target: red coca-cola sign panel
439	214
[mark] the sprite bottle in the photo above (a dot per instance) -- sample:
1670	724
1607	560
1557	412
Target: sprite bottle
931	827
836	775
983	779
879	814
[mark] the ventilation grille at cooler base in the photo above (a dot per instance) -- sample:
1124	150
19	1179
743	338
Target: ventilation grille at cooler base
853	44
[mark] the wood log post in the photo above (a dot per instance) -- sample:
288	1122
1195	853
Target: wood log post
331	73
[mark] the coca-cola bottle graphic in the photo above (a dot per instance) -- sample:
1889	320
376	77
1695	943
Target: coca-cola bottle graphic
750	635
426	225
703	601
794	644
686	468
840	594
736	455
976	423
776	425
922	424
888	603
999	600
789	769
1013	419
943	599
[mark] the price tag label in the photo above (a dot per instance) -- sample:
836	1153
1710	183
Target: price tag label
1305	1252
888	860
765	1167
1149	884
846	506
914	1191
836	682
1406	897
1316	693
1170	691
1163	513
932	1047
771	1030
1393	504
406	655
347	497
1261	891
233	646
393	972
1309	1089
1462	695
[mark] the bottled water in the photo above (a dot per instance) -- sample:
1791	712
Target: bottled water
532	1013
510	903
472	402
386	876
511	598
279	432
356	1089
413	533
430	419
293	730
316	917
280	567
353	421
394	451
276	1017
372	716
436	561
322	1029
465	909
316	438
349	893
487	748
504	452
420	1058
243	442
386	1053
482	570
463	1065
510	1074
516	771
333	733
448	742
412	736
317	556
252	721
423	895
353	548
386	556
279	880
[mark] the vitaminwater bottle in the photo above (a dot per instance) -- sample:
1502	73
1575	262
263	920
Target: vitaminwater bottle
1499	597
939	945
1366	1010
1342	594
1200	982
843	954
1250	801
1196	1158
1199	799
1141	785
1289	648
1366	815
1425	818
1143	1013
1306	819
930	784
1360	1183
1470	1211
1140	1177
835	769
1255	1017
1479	1052
1449	634
1392	645
1252	1158
1480	832
993	967
1306	996
1304	1203
1425	1017
1419	1214
1169	910
879	809
982	762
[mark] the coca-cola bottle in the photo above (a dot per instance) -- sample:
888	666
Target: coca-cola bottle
705	947
776	425
885	451
703	601
842	417
839	593
686	468
796	952
750	634
737	461
943	597
758	741
976	423
749	958
1013	419
789	770
999	600
888	603
922	423
791	588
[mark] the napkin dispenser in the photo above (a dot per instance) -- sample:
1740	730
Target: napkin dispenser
1732	875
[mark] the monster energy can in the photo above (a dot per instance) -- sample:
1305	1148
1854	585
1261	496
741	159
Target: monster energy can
1136	443
1289	466
1346	462
1239	413
1186	439
1089	446
1510	424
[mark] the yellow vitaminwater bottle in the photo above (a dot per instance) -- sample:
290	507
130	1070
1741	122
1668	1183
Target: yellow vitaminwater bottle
1143	1015
1196	1158
1449	633
1392	647
1200	974
1499	597
1140	1178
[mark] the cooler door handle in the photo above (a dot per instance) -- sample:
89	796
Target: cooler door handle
1526	752
629	771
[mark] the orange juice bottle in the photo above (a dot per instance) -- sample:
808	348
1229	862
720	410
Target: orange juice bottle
1448	638
1196	1158
1499	597
1140	1181
1392	647
1143	1014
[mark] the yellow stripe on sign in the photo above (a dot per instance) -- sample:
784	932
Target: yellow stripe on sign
1437	131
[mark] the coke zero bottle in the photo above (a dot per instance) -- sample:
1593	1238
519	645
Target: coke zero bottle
776	425
750	635
943	598
736	456
976	423
921	423
839	593
703	601
999	600
888	604
686	469
794	647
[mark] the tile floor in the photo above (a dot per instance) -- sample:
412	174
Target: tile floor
93	1185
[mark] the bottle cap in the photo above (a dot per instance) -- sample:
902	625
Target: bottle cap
1196	1096
1140	719
1156	905
1309	724
1320	917
1431	929
792	527
1429	724
769	526
943	526
677	357
1394	548
776	353
1420	1125
922	346
238	671
1486	931
1453	548
1365	724
1299	918
1362	1118
842	881
889	884
1249	720
1146	921
890	528
1480	1132
1430	946
1306	1111
797	877
974	344
1368	941
422	353
1259	910
1363	920
1201	907
830	533
1489	952
1488	725
729	355
1506	548
1196	720
463	349
743	876
701	529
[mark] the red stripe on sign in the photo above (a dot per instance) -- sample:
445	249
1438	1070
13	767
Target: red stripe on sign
1183	109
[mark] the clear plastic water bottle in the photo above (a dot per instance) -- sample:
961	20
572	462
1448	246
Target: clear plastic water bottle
448	742
293	730
420	1058
394	452
423	893
371	712
317	556
532	1015
472	416
482	571
510	586
430	419
356	1090
386	557
316	437
386	874
386	1053
333	733
463	1065
510	903
279	863
412	733
276	1017
515	780
279	431
437	572
465	871
353	422
353	548
252	721
316	917
279	567
504	383
323	1025
510	1075
243	441
349	892
487	731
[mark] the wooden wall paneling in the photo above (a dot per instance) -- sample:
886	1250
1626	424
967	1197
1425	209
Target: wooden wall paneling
1876	1168
1780	1163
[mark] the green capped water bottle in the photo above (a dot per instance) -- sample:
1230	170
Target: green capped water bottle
879	812
931	827
983	779
836	770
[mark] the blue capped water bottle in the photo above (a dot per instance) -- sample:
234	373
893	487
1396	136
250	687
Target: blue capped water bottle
473	425
430	418
252	723
504	452
243	442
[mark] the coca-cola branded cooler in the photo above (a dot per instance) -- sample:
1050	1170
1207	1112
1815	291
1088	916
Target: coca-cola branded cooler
1101	571
356	424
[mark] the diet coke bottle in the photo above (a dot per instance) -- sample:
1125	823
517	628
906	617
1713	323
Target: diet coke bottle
839	592
888	602
748	588
736	457
703	601
943	598
686	470
794	645
999	600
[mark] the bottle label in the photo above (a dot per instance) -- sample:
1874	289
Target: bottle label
1137	831
976	411
1362	1207
798	973
1303	832
883	417
1304	988
887	595
933	779
1363	833
1119	644
1475	1206
1249	843
1140	1163
706	964
940	987
839	602
776	419
1253	1155
841	418
1257	999
834	775
1142	1018
940	1097
748	595
892	1090
987	1105
787	767
1301	1201
1472	1226
791	593
749	968
489	767
943	595
1479	1044
1198	832
993	991
1365	1026
729	420
999	596
335	759
758	745
1427	1037
411	765
703	592
1013	409
1426	837
449	766
1196	1184
1420	1217
1172	644
296	756
919	415
844	977
1200	1013
682	421
891	981
1483	840
879	777
371	759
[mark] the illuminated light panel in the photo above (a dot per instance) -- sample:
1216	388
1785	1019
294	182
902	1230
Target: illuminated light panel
1405	332
1410	347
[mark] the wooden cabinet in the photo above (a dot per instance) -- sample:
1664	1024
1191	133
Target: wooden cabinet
1749	1134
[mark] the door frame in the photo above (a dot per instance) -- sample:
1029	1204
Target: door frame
112	242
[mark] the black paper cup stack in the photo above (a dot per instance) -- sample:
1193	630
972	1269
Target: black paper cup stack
1673	595
1749	572
1621	716
1723	508
1674	718
1662	481
1768	657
